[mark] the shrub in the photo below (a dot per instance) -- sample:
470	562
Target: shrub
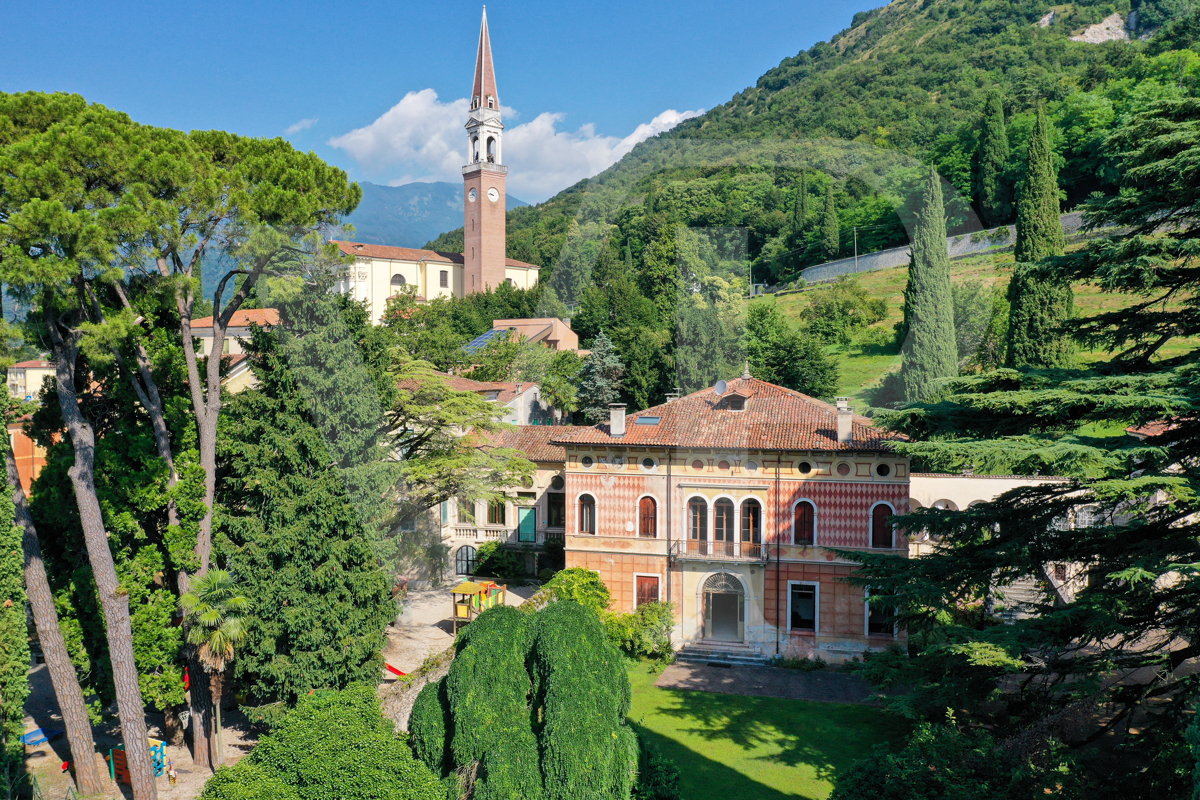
429	723
584	586
498	562
644	632
801	664
658	777
332	744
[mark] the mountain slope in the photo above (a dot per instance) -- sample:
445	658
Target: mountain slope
409	215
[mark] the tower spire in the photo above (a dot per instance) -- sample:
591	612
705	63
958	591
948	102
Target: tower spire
484	88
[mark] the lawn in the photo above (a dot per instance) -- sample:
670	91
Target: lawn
755	747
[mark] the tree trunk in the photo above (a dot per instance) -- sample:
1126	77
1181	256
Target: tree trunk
90	778
218	689
114	600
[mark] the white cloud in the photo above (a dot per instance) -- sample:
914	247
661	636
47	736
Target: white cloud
423	138
302	125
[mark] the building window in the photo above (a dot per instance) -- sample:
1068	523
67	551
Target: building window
466	511
647	517
557	483
881	527
698	519
496	512
587	514
445	511
444	276
804	519
804	467
398	280
752	522
843	469
586	462
556	510
464	560
698	465
803	606
880	620
723	520
647	589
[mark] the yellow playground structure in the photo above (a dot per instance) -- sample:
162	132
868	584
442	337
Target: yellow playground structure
471	599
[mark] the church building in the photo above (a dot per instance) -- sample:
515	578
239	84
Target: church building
379	271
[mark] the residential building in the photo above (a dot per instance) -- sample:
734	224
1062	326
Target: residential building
379	272
532	517
729	502
25	378
522	402
28	454
238	329
549	331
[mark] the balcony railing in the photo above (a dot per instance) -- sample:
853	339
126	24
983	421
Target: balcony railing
703	550
507	535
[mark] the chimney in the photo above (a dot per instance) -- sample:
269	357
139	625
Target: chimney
567	321
616	419
845	420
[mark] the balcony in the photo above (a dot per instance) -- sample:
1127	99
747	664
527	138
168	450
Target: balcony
703	550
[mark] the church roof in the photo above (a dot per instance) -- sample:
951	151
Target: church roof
485	73
773	418
387	251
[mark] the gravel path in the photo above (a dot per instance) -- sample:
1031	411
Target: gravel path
822	685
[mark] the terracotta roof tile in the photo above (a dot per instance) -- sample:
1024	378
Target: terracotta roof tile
34	364
537	441
774	418
243	318
396	253
1151	429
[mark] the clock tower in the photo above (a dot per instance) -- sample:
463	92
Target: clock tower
483	178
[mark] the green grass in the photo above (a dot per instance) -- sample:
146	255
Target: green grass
858	372
765	748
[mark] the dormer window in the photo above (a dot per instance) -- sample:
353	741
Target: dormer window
734	402
491	102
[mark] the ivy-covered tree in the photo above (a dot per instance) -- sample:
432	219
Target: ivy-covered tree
14	651
600	380
538	702
991	163
1123	523
930	352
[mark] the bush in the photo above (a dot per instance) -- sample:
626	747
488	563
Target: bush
584	586
332	744
801	664
645	632
499	562
658	777
429	723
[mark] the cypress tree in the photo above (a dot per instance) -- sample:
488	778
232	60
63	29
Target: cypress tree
1039	229
1039	303
830	233
930	352
991	190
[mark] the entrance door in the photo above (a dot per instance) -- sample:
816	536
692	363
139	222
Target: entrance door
526	519
724	608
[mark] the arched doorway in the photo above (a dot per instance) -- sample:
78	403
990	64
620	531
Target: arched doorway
724	608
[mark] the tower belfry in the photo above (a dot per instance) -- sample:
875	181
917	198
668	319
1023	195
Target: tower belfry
484	177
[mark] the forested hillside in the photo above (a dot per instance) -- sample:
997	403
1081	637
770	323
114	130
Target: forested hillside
823	156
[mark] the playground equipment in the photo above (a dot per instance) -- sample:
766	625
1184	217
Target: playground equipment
471	599
118	767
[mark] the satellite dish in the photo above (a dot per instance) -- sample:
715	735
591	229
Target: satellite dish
721	388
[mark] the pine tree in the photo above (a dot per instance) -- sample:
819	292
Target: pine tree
1039	228
1039	303
930	353
600	381
991	190
831	243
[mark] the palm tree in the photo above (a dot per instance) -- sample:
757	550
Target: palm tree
562	396
213	606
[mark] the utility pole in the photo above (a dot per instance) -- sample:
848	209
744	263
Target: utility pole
856	249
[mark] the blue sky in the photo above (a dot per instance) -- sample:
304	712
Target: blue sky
378	88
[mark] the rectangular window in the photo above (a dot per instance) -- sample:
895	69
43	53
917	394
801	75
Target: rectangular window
880	620
445	511
444	278
466	512
496	512
802	606
556	509
647	589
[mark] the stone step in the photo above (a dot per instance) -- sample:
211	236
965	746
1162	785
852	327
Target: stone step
731	654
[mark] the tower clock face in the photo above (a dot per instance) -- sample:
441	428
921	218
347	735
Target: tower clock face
473	195
493	195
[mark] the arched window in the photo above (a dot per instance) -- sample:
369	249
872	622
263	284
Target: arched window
587	514
491	147
647	517
804	527
398	280
723	531
475	143
464	560
491	101
698	524
881	527
752	522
